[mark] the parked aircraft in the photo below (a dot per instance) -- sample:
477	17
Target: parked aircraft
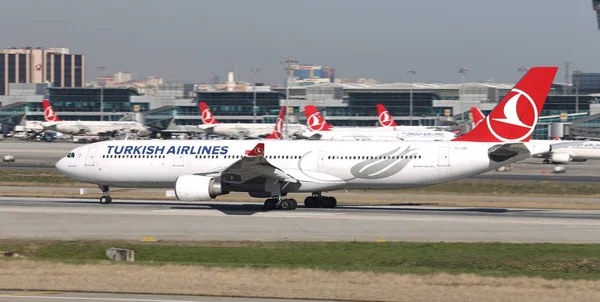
202	170
321	130
102	128
240	130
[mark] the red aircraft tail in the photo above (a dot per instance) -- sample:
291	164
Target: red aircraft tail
207	115
49	114
514	118
314	120
385	119
278	125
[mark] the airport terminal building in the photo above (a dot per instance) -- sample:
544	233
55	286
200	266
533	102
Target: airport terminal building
341	104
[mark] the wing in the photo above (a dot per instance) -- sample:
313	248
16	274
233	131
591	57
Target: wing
254	165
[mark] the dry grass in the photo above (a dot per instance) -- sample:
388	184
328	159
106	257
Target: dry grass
287	283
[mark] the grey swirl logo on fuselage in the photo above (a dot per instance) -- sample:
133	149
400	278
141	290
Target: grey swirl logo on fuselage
382	166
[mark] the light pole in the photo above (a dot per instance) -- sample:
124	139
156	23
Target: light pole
411	72
101	69
577	73
289	63
463	71
254	70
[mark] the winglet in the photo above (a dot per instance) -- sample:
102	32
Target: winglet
258	150
514	118
314	120
385	119
207	115
478	116
49	114
276	134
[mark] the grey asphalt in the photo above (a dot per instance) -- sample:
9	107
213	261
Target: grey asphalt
33	296
69	219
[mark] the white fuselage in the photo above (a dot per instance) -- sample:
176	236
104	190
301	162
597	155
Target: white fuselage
316	165
95	127
246	130
575	150
381	134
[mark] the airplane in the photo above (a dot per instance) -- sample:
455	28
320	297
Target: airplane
202	170
102	128
387	121
561	151
321	130
240	130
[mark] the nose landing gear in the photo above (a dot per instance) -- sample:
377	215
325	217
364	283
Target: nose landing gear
105	199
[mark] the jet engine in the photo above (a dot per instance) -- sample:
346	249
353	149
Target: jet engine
197	188
561	158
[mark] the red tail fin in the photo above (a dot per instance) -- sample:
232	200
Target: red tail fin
477	116
314	120
515	117
258	150
49	114
207	115
278	125
385	119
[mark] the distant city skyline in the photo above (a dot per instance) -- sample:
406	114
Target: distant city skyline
192	41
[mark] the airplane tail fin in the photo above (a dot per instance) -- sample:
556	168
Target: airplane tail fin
514	118
49	114
478	116
314	120
385	119
278	125
207	115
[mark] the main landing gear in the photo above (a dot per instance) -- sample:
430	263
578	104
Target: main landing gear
278	203
105	199
319	201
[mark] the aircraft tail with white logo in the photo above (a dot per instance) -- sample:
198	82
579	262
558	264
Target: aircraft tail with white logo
314	119
207	115
49	113
278	125
514	118
385	118
477	116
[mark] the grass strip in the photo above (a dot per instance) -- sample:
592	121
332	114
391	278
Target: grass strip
550	261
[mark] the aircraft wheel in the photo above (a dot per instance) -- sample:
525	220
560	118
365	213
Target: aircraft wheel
286	205
105	199
270	204
311	202
329	202
294	203
546	161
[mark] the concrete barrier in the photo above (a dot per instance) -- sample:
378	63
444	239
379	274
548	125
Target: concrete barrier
117	254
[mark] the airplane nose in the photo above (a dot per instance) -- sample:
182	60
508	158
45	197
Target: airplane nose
61	166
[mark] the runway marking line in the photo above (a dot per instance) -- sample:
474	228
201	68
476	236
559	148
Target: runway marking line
67	298
28	294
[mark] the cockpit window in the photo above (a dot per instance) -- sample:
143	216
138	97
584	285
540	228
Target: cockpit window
71	155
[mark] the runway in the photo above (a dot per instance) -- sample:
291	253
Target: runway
69	219
24	296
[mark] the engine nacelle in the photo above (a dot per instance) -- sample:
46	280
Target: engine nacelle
197	188
561	157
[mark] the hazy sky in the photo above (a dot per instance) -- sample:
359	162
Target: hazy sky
190	40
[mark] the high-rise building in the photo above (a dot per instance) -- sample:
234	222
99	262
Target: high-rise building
121	77
40	65
303	72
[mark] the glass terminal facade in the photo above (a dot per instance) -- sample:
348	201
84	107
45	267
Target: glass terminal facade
117	102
